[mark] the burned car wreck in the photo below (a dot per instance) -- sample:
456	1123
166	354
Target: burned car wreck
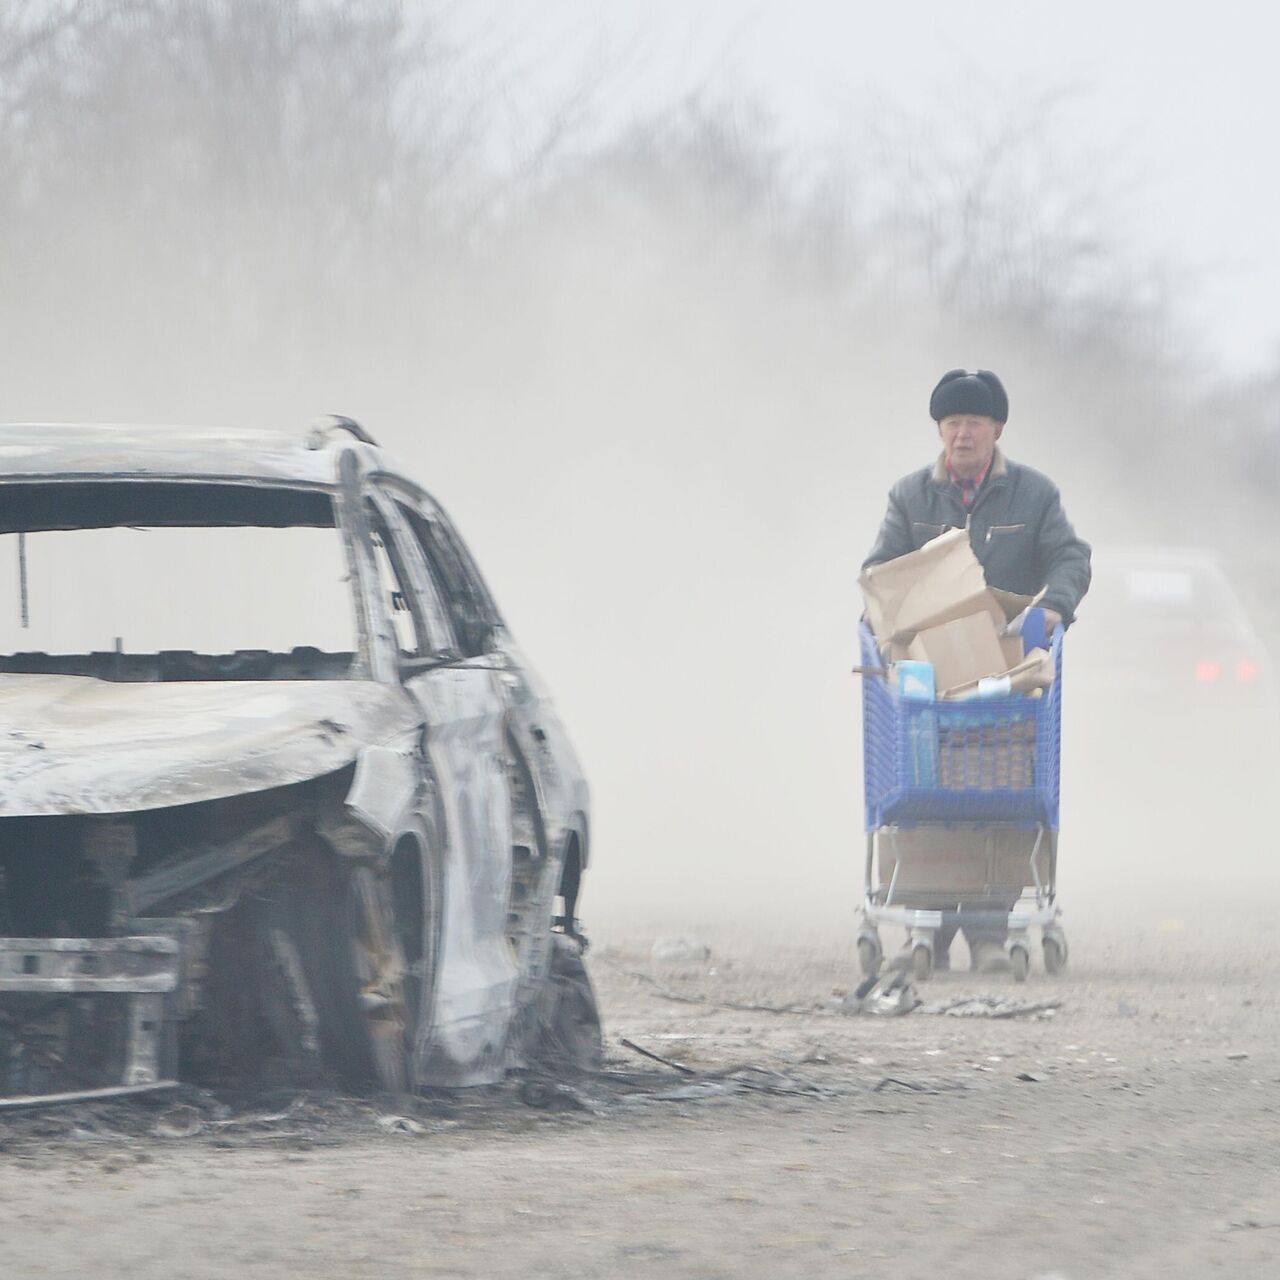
280	799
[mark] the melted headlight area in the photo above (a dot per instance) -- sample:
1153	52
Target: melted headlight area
200	940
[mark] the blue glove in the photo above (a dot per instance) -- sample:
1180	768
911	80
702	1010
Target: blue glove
1034	630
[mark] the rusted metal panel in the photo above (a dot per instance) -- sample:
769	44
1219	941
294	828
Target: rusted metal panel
27	1102
44	450
140	972
385	785
190	868
72	744
88	966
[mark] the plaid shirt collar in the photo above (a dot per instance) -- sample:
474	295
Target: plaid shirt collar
968	489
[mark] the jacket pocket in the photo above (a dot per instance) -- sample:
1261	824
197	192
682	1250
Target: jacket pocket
924	532
1002	530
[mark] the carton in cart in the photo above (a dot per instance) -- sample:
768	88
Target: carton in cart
963	650
940	581
1034	672
934	605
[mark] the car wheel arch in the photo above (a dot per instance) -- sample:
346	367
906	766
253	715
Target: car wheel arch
413	865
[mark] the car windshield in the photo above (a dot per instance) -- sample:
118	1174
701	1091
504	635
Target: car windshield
169	581
1160	593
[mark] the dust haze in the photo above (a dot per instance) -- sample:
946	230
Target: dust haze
662	373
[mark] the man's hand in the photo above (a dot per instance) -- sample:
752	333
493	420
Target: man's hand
1052	621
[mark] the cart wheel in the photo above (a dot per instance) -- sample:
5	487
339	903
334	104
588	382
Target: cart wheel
921	962
1020	962
869	956
1055	954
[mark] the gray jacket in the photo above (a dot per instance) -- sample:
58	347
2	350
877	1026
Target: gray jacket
1016	524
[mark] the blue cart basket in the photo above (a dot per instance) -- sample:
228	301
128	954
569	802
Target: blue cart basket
989	762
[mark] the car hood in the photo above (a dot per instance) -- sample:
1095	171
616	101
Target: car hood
74	744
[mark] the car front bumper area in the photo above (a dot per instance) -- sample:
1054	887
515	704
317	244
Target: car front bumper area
85	1018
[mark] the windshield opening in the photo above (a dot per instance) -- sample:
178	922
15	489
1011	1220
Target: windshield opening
151	580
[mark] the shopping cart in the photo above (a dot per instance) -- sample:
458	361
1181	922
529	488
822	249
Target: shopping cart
982	774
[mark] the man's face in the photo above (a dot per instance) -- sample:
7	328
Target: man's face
969	440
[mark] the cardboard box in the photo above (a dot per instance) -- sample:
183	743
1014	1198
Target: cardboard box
962	651
1012	603
1035	671
1011	646
941	581
943	865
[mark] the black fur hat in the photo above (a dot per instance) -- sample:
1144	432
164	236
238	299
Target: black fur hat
963	392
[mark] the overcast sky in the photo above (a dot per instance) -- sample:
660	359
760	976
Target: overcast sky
1182	98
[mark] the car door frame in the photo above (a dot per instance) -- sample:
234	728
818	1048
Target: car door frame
552	801
464	754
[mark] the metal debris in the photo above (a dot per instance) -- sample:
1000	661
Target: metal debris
910	1086
182	1121
33	1102
888	994
545	1094
400	1125
657	1057
993	1007
679	997
721	1082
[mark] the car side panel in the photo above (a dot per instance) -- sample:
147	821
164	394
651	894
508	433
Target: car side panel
544	743
476	974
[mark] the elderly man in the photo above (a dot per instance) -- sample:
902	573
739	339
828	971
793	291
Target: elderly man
1016	525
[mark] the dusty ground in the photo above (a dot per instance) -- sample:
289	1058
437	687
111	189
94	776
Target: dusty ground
1143	1144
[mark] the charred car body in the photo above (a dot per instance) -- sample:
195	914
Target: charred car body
279	796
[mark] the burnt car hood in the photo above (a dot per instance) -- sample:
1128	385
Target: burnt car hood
74	744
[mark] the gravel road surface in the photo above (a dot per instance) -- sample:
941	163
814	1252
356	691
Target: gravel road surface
1129	1132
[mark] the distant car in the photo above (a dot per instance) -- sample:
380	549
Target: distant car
1169	735
1167	625
281	797
1170	709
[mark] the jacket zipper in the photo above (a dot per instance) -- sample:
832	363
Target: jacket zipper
1003	528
